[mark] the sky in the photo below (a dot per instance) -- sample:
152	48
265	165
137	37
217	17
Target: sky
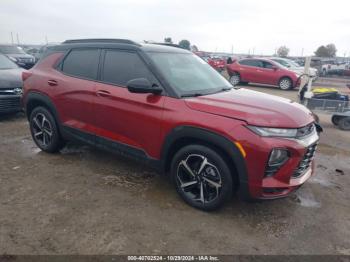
244	26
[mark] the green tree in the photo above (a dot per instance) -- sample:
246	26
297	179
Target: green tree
185	44
168	40
326	51
332	50
194	48
283	51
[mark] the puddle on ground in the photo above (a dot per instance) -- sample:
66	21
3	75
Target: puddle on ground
74	149
140	180
306	199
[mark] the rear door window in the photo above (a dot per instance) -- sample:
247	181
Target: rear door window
251	62
82	63
121	66
267	65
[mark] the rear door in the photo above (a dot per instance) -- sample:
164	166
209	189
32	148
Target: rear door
127	121
74	88
248	70
267	74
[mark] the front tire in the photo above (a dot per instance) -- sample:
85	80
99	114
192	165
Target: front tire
235	79
44	130
202	177
285	83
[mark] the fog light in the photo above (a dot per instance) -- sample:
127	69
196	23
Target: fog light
278	157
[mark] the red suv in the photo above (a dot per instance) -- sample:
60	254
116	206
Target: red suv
167	107
262	71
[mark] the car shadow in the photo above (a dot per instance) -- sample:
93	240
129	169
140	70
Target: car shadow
8	117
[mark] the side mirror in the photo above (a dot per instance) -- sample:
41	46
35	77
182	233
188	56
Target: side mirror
142	86
274	67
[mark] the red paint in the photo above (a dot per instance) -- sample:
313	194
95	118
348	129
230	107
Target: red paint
144	120
261	75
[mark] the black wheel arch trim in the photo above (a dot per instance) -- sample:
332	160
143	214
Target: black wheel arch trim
41	98
215	139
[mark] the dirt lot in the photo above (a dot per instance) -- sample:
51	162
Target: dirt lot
87	201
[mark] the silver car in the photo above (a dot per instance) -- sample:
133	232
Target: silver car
10	86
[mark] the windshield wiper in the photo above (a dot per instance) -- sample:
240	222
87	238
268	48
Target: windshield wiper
192	95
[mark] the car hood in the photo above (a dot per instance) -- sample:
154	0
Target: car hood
11	78
253	107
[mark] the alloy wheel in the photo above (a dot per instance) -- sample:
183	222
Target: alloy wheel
235	79
285	84
199	180
42	130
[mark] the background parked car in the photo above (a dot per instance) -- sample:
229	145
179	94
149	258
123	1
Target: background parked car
293	66
334	68
17	55
262	71
10	85
216	62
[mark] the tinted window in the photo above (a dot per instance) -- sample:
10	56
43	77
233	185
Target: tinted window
251	62
120	67
267	65
83	63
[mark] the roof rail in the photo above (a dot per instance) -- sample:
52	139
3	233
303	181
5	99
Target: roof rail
100	40
166	44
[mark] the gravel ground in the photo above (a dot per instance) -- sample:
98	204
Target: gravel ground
86	201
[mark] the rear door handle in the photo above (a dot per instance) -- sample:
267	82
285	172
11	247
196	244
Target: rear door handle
103	93
52	82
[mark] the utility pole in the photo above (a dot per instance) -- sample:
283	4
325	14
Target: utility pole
17	39
302	52
231	49
46	39
253	50
12	38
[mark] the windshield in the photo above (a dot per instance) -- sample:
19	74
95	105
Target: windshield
188	74
10	49
6	63
282	62
293	63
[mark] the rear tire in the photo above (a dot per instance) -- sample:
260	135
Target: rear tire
201	177
285	83
235	79
335	120
44	130
344	123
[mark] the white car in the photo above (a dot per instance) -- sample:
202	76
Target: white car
336	68
293	66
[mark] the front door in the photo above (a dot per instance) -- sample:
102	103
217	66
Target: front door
126	121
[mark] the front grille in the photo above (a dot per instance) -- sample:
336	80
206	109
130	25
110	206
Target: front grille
9	104
25	60
305	161
10	91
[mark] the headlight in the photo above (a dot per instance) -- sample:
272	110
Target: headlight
13	59
274	132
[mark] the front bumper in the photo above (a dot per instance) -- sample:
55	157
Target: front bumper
288	178
10	103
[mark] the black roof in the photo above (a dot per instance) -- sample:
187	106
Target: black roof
117	43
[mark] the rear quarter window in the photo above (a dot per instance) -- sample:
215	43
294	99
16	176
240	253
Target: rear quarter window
82	63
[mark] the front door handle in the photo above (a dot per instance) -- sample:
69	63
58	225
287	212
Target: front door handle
103	93
52	82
